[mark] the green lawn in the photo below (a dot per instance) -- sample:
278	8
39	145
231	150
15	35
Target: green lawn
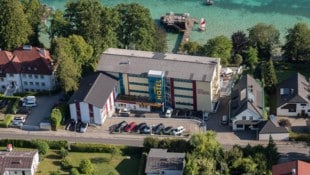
119	165
285	69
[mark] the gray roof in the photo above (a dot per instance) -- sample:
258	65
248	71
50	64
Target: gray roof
247	94
296	90
159	160
272	128
173	65
94	89
16	160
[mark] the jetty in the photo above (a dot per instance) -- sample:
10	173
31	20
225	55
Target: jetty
181	22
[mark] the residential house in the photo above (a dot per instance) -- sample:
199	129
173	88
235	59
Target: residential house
93	102
159	162
291	168
293	96
246	104
272	128
19	162
26	69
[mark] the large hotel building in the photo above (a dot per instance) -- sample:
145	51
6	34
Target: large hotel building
155	81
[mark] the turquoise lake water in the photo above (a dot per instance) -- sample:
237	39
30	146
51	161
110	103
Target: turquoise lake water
225	16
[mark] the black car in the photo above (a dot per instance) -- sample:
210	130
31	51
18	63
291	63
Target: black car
168	130
158	128
72	126
140	127
121	126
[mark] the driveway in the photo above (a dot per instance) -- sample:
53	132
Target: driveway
42	111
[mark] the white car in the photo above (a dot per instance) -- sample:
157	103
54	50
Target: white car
178	131
169	112
19	120
29	101
124	111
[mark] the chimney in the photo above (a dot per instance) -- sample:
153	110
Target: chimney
9	147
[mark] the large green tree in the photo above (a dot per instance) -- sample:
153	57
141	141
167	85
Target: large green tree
264	37
34	12
191	48
59	25
251	58
269	76
14	26
219	47
297	46
136	29
240	42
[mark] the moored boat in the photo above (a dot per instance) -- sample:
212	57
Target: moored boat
202	25
209	2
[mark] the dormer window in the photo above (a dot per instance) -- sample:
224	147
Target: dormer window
29	68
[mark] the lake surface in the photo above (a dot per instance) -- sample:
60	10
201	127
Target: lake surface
224	17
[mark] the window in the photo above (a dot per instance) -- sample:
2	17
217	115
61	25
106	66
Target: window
292	110
2	79
239	126
138	91
42	76
183	96
25	83
31	83
27	90
30	75
136	83
42	84
11	75
37	84
251	117
303	104
35	76
24	75
243	117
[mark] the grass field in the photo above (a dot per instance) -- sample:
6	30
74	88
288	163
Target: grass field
102	162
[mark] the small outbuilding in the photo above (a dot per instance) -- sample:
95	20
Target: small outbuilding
271	128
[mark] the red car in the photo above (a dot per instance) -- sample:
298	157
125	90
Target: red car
130	127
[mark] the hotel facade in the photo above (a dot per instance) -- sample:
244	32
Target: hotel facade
155	81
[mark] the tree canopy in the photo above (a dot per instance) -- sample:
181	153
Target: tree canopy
297	46
15	28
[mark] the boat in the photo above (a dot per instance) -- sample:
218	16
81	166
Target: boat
209	2
202	26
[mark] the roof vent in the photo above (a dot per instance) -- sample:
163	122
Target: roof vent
42	51
29	68
292	91
294	171
35	68
27	47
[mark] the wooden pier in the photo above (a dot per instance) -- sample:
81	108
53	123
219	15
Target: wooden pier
180	22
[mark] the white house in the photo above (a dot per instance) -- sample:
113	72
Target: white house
272	128
246	104
26	69
160	162
19	162
293	96
93	102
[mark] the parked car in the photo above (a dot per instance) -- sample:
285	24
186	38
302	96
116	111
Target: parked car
158	128
121	126
69	123
18	120
140	127
78	126
130	127
29	101
146	130
206	116
178	131
124	112
168	112
72	126
168	130
83	127
224	120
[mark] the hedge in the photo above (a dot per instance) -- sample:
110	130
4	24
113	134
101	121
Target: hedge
29	144
7	121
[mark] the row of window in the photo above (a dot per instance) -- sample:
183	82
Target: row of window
138	91
28	75
140	84
36	83
183	96
183	103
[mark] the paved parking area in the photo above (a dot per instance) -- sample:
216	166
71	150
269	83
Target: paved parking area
42	111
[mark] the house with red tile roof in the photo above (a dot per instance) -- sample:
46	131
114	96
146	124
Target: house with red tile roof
294	168
27	69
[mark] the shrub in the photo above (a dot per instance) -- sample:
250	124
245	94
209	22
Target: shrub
86	166
66	163
54	173
74	171
7	121
41	145
57	144
63	152
56	118
285	123
85	147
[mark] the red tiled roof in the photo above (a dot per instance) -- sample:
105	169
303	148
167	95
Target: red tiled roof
301	168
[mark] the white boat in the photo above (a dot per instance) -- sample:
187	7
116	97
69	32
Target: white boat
202	26
209	2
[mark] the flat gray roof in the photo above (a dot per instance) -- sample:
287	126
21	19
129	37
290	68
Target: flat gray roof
173	65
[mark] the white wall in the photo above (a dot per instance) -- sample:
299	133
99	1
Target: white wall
132	106
285	112
203	96
73	111
280	136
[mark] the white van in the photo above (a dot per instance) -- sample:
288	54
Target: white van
29	101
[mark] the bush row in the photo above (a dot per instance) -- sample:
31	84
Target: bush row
31	144
173	145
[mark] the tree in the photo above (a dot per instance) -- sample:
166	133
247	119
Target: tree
238	59
219	47
240	42
86	166
191	48
41	145
56	118
251	58
244	165
15	28
272	154
63	152
264	37
34	12
191	166
297	46
74	171
136	30
269	76
160	40
66	163
59	25
54	173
